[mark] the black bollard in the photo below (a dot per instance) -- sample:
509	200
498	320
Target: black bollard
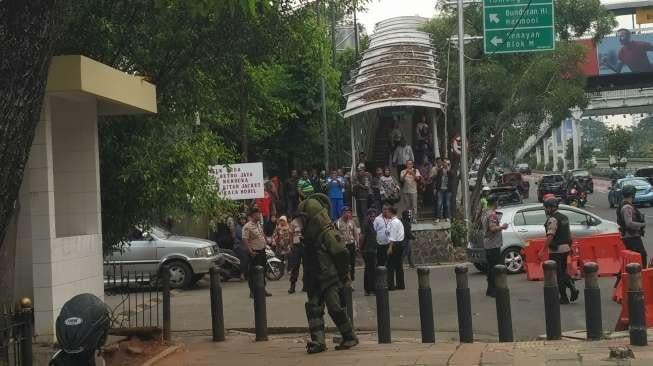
260	312
593	318
425	305
504	316
217	315
551	301
26	313
165	274
382	305
636	316
464	301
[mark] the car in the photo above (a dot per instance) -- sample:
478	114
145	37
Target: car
506	196
526	222
646	173
146	251
515	179
554	184
523	168
643	191
584	178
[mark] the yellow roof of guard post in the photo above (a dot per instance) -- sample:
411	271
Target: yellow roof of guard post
118	93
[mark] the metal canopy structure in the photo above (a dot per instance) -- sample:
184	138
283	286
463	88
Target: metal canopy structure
397	70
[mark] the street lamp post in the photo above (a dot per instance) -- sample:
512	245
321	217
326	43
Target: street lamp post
463	122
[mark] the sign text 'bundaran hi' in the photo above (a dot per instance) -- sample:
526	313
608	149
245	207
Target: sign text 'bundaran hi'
239	181
518	26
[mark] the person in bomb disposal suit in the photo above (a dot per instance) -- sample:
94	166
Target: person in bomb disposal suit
326	271
631	223
558	240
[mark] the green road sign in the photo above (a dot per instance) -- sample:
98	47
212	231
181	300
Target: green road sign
515	26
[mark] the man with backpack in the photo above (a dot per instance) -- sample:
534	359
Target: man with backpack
631	223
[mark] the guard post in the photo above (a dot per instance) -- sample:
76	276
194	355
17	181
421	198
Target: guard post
217	314
425	305
464	302
551	301
593	318
382	305
504	315
636	316
260	311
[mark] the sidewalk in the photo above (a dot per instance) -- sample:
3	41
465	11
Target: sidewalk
406	349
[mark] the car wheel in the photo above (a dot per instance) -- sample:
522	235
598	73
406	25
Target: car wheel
481	267
513	260
181	275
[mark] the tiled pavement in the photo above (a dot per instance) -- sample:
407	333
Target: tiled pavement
240	349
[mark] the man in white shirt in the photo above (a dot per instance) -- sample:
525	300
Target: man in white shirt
389	230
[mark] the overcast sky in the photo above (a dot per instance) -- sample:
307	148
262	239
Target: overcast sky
378	10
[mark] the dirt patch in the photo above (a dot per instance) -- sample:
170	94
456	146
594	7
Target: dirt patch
132	352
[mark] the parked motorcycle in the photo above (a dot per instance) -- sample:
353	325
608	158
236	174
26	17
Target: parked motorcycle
274	267
82	328
229	265
576	198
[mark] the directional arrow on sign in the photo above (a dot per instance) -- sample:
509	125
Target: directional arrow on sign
496	41
494	18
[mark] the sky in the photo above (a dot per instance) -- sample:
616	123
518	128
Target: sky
378	10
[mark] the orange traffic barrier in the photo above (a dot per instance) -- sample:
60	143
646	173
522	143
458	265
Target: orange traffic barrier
627	256
604	250
535	253
647	286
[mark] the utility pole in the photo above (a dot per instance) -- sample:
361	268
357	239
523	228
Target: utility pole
356	29
325	130
463	122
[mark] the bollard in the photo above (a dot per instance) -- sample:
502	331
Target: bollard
551	301
636	316
26	313
425	305
593	318
464	301
217	314
165	274
260	312
504	317
349	303
382	305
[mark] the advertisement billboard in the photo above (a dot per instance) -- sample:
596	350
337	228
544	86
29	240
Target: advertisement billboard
239	181
625	53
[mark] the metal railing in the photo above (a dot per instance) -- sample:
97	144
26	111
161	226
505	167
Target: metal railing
16	335
137	299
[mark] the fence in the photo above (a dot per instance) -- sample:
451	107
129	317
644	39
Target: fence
139	300
16	335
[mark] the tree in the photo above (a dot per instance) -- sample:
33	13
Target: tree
618	142
642	142
28	31
514	94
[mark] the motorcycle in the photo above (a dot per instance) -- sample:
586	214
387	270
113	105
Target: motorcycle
576	198
229	265
82	328
274	267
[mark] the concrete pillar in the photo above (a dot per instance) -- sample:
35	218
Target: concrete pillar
538	158
554	136
436	141
545	149
576	139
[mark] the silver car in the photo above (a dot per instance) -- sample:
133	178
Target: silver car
187	258
526	222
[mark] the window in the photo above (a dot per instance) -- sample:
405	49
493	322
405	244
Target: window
518	220
534	217
576	218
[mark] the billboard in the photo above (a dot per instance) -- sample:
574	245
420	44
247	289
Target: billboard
239	181
623	53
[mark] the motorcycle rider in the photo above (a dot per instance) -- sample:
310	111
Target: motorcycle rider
326	265
573	183
558	240
631	223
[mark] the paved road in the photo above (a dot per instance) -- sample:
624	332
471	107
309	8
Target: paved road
191	307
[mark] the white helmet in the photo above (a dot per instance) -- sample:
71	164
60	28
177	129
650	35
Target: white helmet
486	189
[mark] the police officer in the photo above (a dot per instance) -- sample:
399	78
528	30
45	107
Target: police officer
631	223
558	240
326	266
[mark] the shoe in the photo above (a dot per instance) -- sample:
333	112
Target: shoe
267	293
347	344
291	290
564	300
574	294
314	347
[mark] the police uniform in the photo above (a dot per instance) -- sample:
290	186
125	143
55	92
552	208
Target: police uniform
557	225
326	270
631	225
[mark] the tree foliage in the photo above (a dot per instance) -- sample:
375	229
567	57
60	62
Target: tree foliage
512	95
618	141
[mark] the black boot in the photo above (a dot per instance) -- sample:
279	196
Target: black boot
291	290
314	347
564	300
347	343
573	290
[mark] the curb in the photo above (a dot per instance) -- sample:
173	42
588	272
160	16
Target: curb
163	354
